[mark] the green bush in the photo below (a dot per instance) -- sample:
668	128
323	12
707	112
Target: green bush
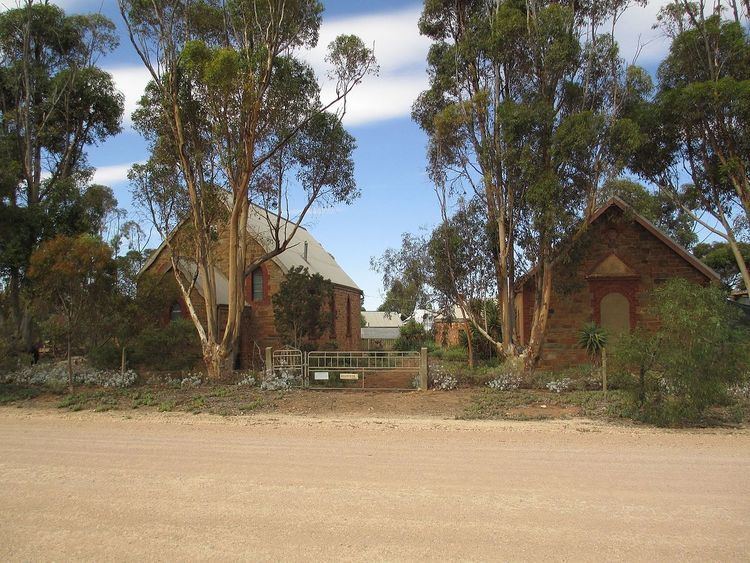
106	356
688	364
412	336
173	347
455	354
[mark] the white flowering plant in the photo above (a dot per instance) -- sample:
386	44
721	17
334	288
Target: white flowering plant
559	385
280	379
56	375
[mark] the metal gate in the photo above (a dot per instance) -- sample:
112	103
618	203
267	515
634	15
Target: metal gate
289	363
350	370
365	370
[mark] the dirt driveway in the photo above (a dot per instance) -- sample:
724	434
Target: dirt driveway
103	486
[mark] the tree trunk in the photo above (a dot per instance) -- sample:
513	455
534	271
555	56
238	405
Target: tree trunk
604	371
541	315
467	328
215	359
122	361
739	259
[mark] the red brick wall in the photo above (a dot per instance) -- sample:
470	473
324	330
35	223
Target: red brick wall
448	333
576	300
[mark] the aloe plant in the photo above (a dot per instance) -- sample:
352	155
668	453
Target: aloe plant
593	339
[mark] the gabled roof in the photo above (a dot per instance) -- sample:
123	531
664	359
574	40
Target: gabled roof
382	319
318	261
303	250
651	228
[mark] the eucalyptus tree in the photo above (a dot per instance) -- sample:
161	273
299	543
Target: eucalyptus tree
234	119
54	103
406	273
524	110
696	126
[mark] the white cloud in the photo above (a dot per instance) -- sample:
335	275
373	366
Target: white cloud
112	174
131	80
401	53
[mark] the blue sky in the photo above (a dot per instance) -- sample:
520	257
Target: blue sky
390	157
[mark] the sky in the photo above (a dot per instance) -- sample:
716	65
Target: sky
397	196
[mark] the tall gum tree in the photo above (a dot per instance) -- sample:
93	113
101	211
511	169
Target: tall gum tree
235	120
524	109
696	123
54	103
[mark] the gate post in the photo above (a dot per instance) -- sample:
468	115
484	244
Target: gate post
423	369
269	359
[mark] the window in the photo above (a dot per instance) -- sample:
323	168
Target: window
175	312
258	289
615	314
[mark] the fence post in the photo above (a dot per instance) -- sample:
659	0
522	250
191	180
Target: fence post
269	359
423	369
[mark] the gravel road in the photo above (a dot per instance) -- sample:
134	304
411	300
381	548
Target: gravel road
105	486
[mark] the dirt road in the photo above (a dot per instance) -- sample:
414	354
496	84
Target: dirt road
175	486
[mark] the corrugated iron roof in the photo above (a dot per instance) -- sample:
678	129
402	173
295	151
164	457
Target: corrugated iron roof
382	319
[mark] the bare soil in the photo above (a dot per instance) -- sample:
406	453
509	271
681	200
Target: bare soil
135	485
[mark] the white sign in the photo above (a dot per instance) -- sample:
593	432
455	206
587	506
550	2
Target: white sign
349	376
321	376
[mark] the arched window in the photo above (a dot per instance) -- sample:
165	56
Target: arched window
615	314
257	283
175	312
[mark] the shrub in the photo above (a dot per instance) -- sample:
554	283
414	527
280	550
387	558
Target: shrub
559	385
281	379
686	365
173	347
440	379
412	336
508	376
55	376
105	356
247	379
505	382
455	354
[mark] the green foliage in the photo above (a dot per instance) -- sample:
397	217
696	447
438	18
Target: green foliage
718	256
73	278
173	347
688	363
593	339
412	336
54	103
657	207
301	307
698	119
455	354
524	109
405	273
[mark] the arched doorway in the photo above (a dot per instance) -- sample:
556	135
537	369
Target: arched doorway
615	314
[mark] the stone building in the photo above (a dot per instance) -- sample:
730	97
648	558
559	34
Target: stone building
258	326
606	278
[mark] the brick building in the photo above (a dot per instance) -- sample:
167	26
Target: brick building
258	327
611	269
